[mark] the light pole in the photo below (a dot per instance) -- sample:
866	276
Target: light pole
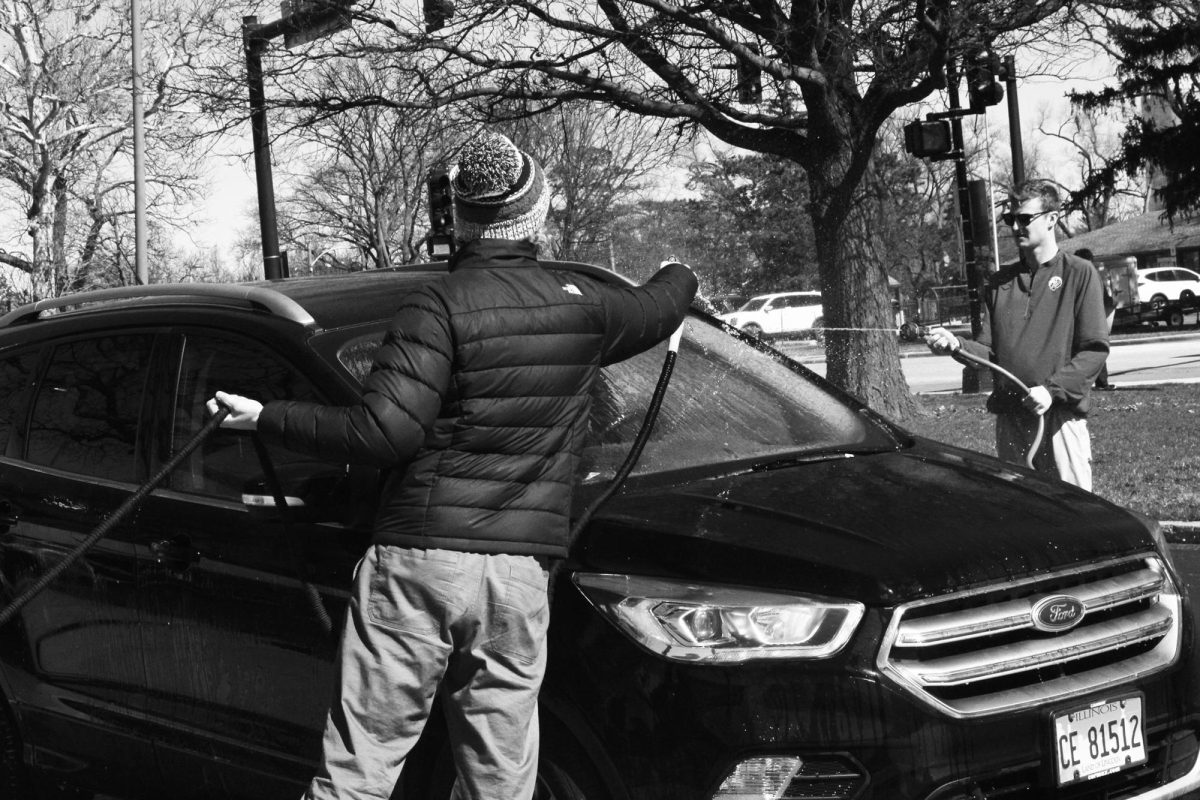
139	147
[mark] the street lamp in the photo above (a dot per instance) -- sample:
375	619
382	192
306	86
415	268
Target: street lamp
139	147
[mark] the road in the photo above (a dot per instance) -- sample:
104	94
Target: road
1139	360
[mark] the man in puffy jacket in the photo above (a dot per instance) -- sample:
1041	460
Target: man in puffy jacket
477	406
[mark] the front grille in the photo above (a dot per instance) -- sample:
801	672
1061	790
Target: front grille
978	652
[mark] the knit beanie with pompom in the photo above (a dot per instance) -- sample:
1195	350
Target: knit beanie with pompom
499	191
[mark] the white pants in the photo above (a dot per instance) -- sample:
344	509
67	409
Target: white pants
1066	447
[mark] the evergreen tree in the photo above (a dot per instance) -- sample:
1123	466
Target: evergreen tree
1158	52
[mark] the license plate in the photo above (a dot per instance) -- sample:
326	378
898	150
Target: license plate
1099	739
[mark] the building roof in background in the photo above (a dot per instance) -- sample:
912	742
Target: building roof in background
1147	233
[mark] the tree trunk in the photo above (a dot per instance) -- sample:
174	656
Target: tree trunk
58	246
862	347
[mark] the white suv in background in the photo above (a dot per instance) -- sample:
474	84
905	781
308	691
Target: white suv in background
780	314
1158	285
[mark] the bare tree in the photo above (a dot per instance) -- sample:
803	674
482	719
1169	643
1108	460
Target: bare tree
598	160
362	184
830	75
66	134
1093	150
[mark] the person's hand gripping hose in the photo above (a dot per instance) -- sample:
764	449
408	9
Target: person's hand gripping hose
107	524
1037	399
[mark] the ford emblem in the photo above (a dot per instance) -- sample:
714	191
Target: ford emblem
1058	612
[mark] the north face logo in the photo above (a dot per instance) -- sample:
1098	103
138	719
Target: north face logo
571	288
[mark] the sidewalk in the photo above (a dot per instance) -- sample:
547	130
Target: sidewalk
1180	532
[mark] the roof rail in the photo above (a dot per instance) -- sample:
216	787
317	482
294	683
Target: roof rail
262	297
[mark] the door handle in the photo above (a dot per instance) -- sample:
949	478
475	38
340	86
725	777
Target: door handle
175	553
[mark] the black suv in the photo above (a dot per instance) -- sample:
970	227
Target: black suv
790	598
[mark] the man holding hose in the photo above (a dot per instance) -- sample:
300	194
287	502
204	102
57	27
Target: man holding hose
477	407
1043	320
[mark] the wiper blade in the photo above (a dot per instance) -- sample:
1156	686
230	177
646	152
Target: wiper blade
815	456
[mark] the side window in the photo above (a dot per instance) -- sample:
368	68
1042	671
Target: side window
223	464
86	413
16	382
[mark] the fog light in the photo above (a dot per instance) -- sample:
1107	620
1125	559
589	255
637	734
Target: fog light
764	778
827	776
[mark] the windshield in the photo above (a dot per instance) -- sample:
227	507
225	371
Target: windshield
727	402
754	305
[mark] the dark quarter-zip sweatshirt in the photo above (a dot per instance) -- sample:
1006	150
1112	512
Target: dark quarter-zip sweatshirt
1046	327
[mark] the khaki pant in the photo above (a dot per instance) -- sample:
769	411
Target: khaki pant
1066	447
472	625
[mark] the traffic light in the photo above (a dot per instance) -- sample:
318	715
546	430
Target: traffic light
984	72
437	13
441	213
749	83
979	202
929	139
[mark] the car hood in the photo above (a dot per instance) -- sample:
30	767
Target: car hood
879	528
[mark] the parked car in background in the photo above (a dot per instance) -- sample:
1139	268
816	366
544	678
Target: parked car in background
791	597
725	303
778	315
1160	285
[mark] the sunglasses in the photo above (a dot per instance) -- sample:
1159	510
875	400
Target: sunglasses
1024	219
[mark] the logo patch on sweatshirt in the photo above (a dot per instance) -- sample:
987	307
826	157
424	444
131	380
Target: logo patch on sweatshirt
1055	283
571	288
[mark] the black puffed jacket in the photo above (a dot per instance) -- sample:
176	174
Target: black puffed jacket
478	399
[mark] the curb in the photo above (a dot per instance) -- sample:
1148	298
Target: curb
1180	532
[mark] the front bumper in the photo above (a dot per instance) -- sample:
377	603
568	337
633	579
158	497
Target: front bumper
1180	787
673	731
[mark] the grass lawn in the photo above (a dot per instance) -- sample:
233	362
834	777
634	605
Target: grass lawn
1145	443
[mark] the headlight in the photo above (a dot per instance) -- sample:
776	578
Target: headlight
733	321
720	624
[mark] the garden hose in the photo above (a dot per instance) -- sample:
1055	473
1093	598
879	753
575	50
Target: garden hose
271	477
1041	418
631	459
107	524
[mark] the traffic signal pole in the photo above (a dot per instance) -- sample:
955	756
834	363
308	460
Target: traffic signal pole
970	376
1014	121
254	43
301	22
